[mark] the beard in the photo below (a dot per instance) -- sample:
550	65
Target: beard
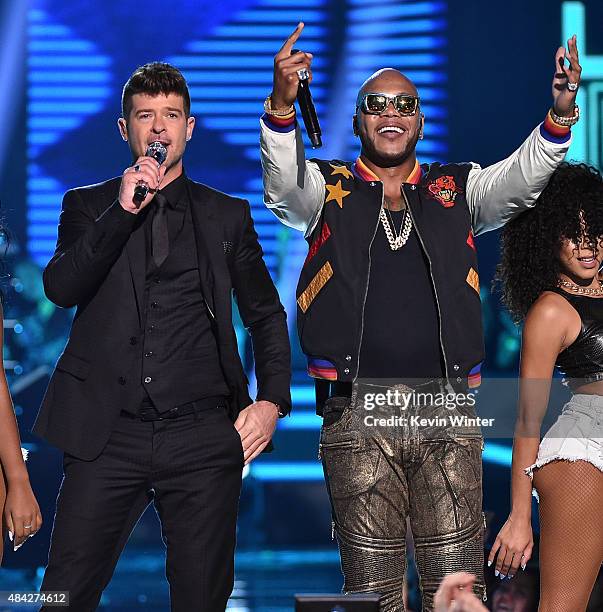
388	160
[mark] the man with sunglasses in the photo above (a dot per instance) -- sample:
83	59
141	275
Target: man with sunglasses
390	290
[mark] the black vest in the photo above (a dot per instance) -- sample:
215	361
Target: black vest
333	284
179	356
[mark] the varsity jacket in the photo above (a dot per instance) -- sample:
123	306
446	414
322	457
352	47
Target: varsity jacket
337	204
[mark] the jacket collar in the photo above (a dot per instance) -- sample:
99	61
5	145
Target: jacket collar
175	193
362	171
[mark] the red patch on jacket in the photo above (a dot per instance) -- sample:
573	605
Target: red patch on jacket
444	190
318	242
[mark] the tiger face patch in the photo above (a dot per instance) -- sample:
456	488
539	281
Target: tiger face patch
444	189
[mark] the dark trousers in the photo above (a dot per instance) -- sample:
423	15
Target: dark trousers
191	468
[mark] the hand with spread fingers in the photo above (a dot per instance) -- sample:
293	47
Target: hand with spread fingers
512	548
288	69
566	79
256	425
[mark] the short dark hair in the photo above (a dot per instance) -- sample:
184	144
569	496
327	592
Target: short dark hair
154	79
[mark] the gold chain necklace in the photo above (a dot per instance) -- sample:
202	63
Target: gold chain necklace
396	240
581	290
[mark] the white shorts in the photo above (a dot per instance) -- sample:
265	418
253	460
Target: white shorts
577	434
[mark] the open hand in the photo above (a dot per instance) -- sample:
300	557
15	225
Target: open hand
513	545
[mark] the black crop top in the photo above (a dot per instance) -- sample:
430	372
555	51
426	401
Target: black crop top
583	359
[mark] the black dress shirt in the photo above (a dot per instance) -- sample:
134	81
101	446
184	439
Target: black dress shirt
179	354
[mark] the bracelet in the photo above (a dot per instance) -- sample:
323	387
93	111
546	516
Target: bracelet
566	121
277	113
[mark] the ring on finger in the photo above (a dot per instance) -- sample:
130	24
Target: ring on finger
572	86
26	526
303	74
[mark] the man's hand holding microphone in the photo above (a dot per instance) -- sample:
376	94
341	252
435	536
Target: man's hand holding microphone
291	81
141	180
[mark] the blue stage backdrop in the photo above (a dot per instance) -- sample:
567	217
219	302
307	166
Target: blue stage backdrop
483	70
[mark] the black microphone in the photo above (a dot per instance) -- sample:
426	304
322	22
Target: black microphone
158	152
306	105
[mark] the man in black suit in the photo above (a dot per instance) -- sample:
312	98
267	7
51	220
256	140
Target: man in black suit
143	399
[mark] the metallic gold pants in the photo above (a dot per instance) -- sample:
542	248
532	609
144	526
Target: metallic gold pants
377	479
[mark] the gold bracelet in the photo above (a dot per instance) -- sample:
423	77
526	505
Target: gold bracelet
277	113
565	121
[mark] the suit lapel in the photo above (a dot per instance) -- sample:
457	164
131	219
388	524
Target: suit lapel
208	231
136	250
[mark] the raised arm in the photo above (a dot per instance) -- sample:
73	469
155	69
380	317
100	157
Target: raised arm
501	191
293	187
86	249
88	245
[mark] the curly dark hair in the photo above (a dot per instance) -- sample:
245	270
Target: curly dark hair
571	203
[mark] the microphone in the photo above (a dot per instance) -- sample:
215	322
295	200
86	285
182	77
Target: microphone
306	105
158	152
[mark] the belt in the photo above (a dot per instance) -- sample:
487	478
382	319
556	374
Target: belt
339	389
327	389
344	389
148	412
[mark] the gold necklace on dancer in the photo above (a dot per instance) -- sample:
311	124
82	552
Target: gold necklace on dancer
598	291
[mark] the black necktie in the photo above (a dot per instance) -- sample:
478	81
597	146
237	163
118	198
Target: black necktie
159	230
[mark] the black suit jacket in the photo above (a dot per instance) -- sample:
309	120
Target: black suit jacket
99	266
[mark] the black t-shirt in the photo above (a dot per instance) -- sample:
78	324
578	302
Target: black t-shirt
401	331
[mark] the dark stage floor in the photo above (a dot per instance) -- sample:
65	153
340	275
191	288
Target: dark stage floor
265	580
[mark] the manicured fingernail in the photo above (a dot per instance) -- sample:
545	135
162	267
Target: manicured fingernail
10	536
523	567
489	563
510	576
496	572
502	576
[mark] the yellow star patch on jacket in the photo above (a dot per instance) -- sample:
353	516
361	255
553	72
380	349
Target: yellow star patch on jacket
343	170
336	193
